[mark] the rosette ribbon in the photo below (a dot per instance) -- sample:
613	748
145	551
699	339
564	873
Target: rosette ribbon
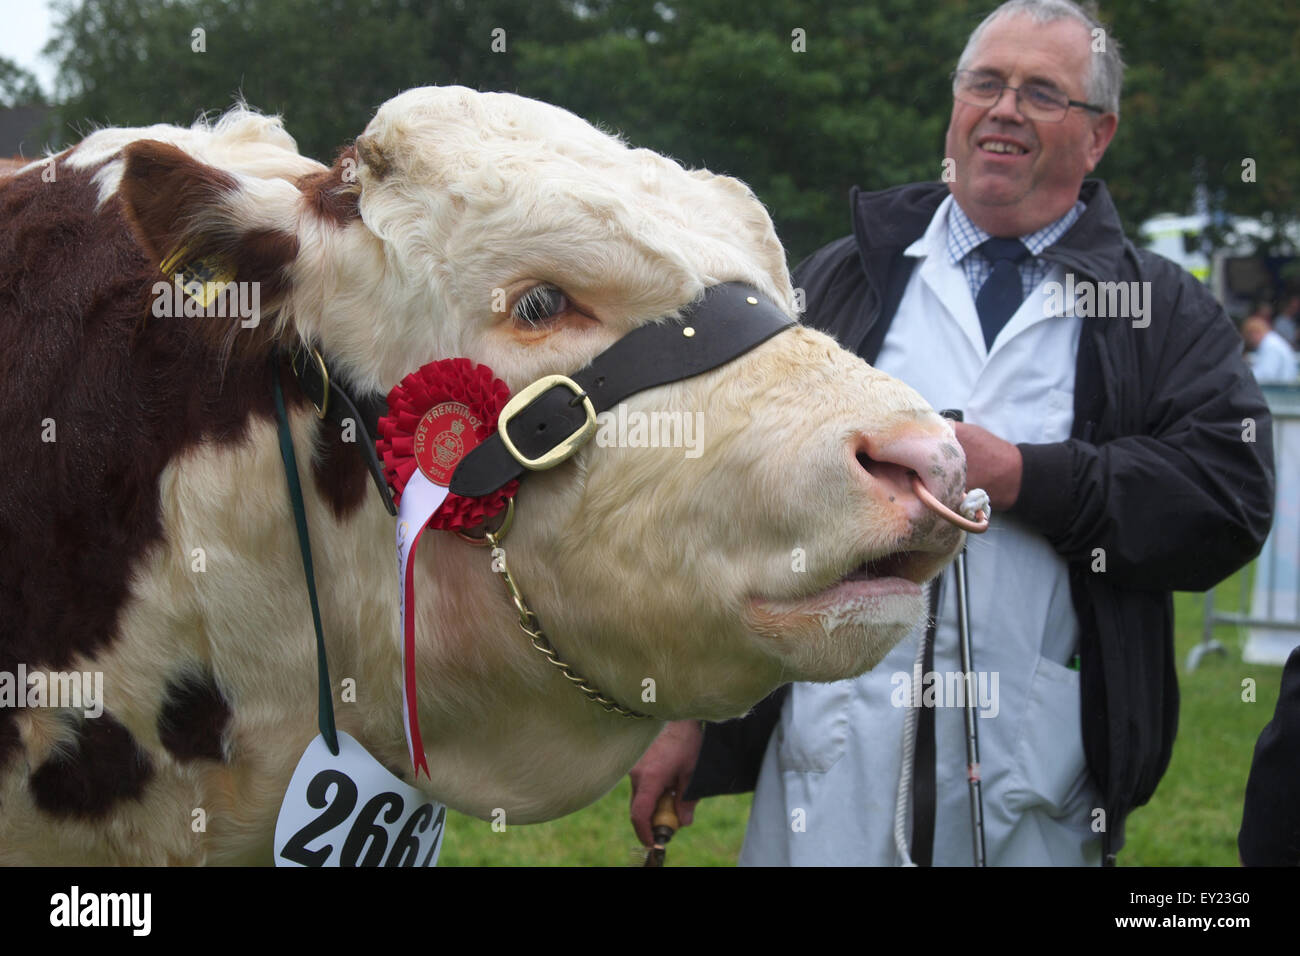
436	416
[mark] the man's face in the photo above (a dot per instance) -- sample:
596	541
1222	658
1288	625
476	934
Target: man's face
1253	330
1036	182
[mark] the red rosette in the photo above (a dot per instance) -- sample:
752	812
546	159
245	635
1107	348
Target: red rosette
461	382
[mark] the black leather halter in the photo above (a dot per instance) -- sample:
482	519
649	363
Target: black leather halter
549	420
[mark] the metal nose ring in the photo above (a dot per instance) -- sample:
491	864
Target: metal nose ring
978	526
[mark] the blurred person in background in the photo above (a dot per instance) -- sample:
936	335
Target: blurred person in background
1270	357
1286	322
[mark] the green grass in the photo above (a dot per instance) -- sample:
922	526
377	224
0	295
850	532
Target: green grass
1195	814
600	835
1191	821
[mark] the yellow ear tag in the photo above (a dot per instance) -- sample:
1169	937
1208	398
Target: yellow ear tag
201	279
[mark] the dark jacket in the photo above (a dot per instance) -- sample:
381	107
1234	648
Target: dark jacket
1270	819
1160	473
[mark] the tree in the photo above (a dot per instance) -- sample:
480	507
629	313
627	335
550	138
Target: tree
18	87
800	98
1209	105
325	65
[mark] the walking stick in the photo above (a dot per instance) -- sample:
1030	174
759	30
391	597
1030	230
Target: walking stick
974	519
974	786
665	824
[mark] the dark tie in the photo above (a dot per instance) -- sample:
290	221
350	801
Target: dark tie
1002	292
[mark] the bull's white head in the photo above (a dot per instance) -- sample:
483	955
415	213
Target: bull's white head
781	542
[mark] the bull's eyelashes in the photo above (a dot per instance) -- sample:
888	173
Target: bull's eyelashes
539	307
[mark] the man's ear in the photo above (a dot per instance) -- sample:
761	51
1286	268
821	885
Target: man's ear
1103	131
193	219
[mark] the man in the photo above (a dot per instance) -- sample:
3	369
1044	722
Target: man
1117	454
1271	359
1270	818
1284	324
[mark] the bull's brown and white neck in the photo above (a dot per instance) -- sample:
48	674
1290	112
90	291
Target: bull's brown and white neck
489	703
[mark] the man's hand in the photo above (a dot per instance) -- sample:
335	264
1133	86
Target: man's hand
991	463
667	765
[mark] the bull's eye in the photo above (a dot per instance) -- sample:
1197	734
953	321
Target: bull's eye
540	305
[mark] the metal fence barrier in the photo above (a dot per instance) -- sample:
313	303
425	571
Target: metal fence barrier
1272	609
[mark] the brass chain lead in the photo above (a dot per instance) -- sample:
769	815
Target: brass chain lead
530	625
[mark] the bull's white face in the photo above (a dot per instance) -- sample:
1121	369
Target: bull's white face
779	539
792	549
517	235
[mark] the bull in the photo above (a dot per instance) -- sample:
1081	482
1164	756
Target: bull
146	535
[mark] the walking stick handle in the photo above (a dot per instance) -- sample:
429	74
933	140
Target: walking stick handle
664	824
665	814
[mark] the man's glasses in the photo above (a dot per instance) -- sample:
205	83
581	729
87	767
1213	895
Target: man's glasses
1036	101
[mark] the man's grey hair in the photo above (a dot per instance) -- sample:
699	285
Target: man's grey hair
1106	76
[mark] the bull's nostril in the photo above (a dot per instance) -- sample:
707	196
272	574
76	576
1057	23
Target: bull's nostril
891	477
915	472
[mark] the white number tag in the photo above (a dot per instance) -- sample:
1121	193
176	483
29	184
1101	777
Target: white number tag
349	811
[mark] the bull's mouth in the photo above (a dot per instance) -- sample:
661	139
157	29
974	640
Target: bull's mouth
899	572
906	565
896	573
840	627
841	623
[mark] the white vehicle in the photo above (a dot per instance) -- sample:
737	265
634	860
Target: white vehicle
1235	273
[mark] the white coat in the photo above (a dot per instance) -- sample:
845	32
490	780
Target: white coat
827	790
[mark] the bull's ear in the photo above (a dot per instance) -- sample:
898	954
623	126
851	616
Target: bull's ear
374	156
195	220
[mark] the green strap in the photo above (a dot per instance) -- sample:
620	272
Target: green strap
325	712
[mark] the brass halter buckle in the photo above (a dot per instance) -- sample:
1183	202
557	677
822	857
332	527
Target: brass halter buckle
565	449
